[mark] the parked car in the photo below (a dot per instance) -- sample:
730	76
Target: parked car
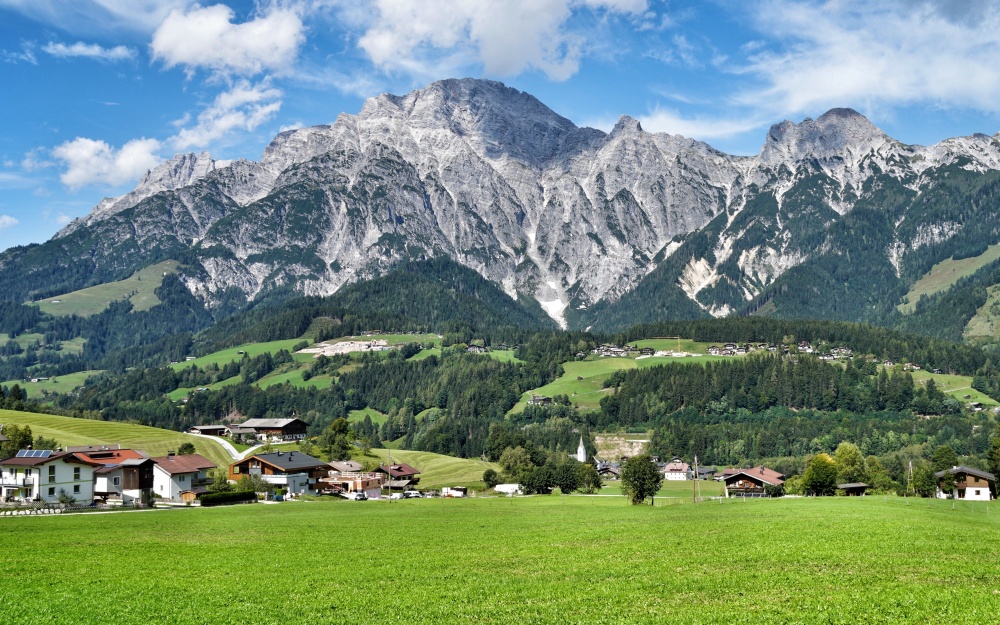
412	494
358	496
396	496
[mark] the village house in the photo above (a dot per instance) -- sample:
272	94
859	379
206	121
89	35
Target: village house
540	400
293	471
971	484
676	470
475	349
752	482
44	475
277	430
174	475
399	476
348	476
125	475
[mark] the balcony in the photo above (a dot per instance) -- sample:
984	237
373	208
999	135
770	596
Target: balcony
17	482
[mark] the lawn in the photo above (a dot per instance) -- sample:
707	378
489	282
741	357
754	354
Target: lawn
958	386
529	560
585	393
356	416
985	325
437	470
70	431
138	288
945	274
59	384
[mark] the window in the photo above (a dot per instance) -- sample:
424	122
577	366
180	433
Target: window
76	473
236	469
52	491
52	474
117	481
76	489
977	492
183	479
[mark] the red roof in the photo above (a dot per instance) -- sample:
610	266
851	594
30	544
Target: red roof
112	456
189	463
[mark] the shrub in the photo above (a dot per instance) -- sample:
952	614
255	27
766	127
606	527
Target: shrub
216	499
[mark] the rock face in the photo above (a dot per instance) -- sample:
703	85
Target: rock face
496	180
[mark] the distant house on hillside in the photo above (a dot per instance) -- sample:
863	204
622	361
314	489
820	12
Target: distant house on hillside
277	429
173	475
476	349
752	482
294	471
209	430
971	484
676	470
540	400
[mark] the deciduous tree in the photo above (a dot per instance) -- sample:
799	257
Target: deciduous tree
640	478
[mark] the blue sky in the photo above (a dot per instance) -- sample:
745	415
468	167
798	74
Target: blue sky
95	92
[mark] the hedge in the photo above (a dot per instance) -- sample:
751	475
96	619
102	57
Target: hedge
215	499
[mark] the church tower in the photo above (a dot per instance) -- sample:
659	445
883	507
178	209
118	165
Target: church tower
581	451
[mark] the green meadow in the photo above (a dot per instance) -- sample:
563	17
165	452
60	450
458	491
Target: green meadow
70	431
553	559
437	470
944	275
138	288
225	356
54	385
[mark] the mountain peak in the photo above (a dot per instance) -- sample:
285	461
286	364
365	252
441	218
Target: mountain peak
834	133
627	124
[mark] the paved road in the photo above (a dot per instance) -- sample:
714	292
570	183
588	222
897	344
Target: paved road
235	455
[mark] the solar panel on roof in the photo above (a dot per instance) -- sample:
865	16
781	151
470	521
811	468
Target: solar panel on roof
34	453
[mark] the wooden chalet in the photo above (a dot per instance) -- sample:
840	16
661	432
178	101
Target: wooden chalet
752	482
277	429
293	470
399	476
971	484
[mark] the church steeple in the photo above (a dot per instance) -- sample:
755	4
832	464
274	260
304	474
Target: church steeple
581	451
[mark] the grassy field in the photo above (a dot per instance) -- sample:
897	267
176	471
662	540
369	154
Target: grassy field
585	393
137	288
70	431
944	274
529	560
359	415
54	385
958	386
985	325
226	356
673	490
437	470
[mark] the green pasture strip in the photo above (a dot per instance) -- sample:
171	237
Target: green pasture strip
357	416
945	274
437	470
510	560
138	288
958	386
225	356
59	384
154	441
985	325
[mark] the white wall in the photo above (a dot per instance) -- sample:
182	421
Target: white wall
170	486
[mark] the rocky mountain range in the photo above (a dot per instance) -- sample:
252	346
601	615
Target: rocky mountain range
597	227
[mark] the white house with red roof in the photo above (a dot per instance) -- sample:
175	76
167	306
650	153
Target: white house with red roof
676	470
173	474
45	475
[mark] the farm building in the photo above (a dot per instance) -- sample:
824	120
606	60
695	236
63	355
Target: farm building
971	484
209	430
854	489
676	470
277	429
752	482
400	476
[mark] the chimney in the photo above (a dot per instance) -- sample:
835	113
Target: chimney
762	469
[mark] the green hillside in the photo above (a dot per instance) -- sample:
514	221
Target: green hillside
944	275
154	441
437	470
138	288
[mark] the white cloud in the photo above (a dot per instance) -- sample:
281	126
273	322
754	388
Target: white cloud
6	221
25	55
35	159
90	161
89	50
206	37
90	16
701	128
868	55
244	107
435	37
62	219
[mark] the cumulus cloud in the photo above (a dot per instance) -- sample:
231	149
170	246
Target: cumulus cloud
90	51
206	37
243	107
6	221
872	54
90	161
432	37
